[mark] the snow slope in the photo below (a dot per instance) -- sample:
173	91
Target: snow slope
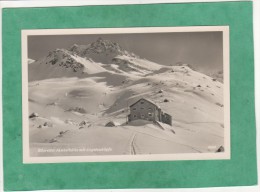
133	65
195	102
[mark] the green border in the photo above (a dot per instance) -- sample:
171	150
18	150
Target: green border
239	171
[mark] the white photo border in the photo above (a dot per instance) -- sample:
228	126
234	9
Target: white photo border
121	158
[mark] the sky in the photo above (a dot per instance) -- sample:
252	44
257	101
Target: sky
202	50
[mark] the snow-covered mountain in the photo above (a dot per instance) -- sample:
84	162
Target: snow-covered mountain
62	63
76	92
82	60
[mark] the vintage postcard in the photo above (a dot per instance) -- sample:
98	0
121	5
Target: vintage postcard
126	94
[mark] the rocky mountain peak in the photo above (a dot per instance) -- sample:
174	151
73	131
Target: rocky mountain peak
101	50
101	45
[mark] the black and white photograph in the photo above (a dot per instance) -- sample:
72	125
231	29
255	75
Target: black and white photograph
126	94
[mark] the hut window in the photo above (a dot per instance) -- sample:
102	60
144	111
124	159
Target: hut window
134	109
142	108
134	116
150	114
142	102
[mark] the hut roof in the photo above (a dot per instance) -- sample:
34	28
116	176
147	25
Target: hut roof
145	100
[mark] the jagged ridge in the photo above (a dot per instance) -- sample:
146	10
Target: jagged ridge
102	51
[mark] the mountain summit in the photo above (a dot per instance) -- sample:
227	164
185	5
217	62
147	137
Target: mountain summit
102	51
102	45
